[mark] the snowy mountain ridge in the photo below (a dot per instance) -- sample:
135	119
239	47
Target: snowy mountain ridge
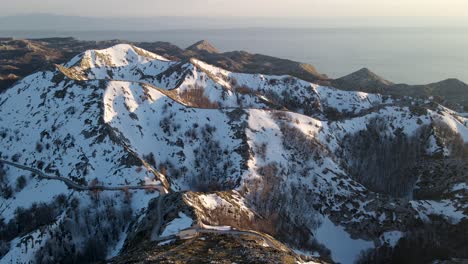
327	172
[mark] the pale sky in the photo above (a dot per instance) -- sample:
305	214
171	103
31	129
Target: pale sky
236	8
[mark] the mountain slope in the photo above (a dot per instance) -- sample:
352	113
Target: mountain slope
300	168
201	46
362	80
20	59
222	88
451	92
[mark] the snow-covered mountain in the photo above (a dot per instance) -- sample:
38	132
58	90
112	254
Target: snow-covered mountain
163	152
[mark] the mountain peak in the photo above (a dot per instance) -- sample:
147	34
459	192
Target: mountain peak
366	74
203	45
364	71
450	82
364	79
117	55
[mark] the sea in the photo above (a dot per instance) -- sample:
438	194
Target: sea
401	55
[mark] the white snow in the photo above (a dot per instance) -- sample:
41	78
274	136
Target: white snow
163	243
42	191
455	124
459	186
219	228
347	101
118	247
33	112
343	248
211	201
301	252
391	237
151	181
176	225
23	249
444	208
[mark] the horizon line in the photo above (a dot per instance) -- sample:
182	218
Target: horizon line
217	17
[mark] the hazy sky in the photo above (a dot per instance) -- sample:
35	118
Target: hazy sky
269	8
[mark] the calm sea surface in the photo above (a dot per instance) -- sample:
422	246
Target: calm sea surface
409	55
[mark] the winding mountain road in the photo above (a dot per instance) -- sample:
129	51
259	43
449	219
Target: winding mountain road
197	230
76	186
